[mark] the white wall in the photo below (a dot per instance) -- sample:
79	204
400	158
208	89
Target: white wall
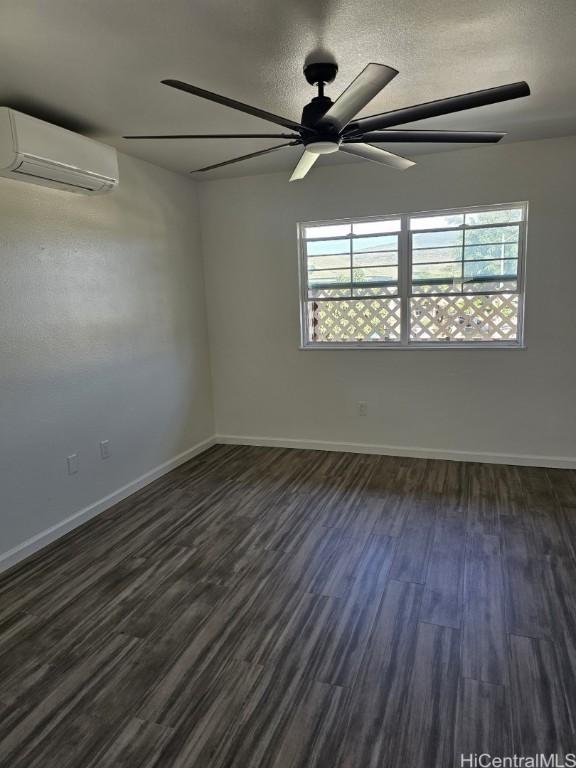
499	402
102	336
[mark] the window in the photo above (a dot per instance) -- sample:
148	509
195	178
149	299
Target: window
435	279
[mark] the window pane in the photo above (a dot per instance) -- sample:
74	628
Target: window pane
319	247
382	243
355	320
427	255
492	251
491	286
437	222
464	318
331	230
374	227
477	268
379	274
366	289
375	259
328	262
330	276
492	235
494	217
436	239
329	293
435	271
437	286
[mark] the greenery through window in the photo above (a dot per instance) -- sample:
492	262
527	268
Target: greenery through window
428	279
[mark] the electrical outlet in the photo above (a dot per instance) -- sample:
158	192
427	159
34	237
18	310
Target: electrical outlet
72	462
362	408
104	449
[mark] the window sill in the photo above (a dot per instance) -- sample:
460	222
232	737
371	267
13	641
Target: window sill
412	347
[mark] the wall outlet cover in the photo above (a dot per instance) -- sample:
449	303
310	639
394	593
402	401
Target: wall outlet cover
72	463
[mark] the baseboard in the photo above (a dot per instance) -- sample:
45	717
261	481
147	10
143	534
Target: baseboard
42	539
526	460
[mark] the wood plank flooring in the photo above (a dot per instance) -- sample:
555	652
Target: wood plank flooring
297	609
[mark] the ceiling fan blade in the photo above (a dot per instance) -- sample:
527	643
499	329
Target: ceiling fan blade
179	85
358	94
441	107
245	157
377	155
456	137
304	164
219	136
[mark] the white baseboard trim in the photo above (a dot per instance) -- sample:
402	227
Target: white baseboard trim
526	460
42	539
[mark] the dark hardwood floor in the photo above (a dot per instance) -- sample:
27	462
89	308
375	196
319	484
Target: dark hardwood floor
269	607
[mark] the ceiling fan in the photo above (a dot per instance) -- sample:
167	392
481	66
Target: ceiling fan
328	126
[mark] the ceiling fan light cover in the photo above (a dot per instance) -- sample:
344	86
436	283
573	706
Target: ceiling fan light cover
323	147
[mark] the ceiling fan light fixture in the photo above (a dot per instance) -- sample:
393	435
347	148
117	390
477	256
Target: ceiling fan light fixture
323	147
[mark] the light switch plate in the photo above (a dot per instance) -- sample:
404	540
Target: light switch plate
72	462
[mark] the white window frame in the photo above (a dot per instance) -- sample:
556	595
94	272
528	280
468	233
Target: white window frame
404	282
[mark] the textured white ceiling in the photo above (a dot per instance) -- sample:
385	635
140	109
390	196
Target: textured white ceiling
96	66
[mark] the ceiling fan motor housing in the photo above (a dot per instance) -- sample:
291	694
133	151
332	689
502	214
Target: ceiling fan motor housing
315	110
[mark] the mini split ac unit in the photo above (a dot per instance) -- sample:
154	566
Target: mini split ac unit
40	153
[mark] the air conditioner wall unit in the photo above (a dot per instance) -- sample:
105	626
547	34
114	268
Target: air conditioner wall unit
41	153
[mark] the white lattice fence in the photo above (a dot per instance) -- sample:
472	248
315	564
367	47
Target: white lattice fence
464	318
355	320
